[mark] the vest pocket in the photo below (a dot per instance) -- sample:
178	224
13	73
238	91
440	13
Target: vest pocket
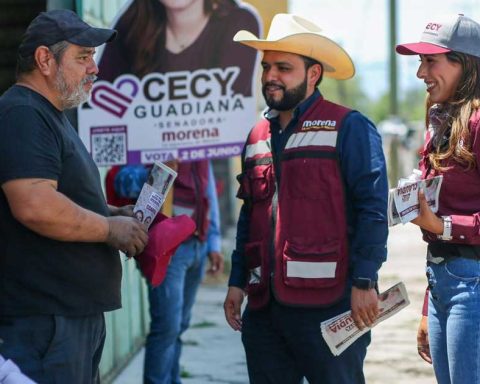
311	266
255	260
256	183
313	179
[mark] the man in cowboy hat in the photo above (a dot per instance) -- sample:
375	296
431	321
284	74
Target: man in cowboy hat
60	268
313	227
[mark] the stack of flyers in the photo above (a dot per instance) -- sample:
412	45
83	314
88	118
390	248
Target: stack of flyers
154	192
403	205
340	331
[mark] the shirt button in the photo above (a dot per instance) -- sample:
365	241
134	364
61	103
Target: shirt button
462	237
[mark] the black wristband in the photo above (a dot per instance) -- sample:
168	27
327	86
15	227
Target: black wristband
364	283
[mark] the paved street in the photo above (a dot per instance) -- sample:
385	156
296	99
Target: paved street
213	352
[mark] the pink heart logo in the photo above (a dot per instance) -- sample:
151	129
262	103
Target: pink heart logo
111	100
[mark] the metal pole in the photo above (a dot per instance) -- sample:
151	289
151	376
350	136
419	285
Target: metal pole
393	59
79	7
393	166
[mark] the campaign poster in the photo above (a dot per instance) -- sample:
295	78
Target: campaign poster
162	97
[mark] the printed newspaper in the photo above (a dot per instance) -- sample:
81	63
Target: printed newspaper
154	192
340	331
403	201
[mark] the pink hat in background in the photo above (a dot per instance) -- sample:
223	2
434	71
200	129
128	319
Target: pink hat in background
444	34
164	237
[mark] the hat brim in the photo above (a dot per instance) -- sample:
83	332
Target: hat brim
420	49
337	63
93	37
164	237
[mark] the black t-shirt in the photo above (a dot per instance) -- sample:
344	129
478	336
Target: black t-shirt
39	275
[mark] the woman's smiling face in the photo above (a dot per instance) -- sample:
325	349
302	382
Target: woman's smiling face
440	75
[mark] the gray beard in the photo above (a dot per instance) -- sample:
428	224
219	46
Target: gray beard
71	98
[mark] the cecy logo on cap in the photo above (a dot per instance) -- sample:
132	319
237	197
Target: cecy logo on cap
433	26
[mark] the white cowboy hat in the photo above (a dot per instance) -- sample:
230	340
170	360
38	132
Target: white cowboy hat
294	34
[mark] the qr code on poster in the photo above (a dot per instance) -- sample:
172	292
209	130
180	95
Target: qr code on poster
109	145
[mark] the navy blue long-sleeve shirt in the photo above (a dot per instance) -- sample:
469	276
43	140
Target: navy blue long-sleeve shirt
364	173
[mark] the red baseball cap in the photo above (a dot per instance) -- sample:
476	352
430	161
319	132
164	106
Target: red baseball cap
164	236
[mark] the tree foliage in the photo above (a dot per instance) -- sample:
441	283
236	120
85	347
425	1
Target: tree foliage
350	93
345	92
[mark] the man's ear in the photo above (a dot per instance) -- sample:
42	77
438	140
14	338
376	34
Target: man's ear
44	60
315	72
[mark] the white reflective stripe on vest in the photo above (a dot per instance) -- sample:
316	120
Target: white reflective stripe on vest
259	148
315	138
309	270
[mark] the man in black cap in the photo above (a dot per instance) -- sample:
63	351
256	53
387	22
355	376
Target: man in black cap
59	241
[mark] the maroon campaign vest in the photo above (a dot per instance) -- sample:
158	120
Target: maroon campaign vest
459	194
297	244
190	194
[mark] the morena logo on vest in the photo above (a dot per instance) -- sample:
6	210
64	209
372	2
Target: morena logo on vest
317	125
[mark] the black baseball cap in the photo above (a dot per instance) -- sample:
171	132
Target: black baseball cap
51	27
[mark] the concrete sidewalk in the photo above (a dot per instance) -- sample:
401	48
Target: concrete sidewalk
213	353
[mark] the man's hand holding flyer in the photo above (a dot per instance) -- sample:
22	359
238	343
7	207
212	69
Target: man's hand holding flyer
166	233
340	331
403	203
153	193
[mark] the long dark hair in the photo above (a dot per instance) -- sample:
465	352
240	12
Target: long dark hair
145	23
458	111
